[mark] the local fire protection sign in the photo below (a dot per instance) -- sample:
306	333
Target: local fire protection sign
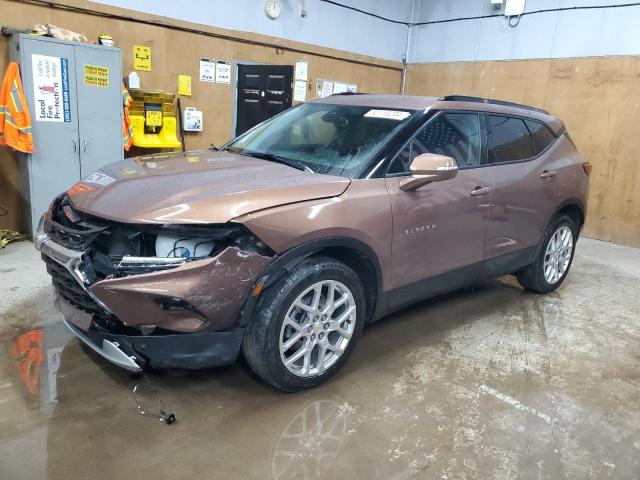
51	89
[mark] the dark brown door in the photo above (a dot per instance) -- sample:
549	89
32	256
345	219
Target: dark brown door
263	91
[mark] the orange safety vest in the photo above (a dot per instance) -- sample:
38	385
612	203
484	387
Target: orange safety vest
127	128
15	119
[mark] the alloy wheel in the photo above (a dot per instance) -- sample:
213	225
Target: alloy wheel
317	328
558	254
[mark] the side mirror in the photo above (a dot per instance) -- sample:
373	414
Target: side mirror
427	168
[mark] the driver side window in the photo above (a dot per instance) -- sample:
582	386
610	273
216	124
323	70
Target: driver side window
456	135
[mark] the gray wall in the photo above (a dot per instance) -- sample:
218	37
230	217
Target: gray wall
326	25
573	33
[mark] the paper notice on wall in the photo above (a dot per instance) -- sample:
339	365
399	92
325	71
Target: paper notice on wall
301	70
324	88
207	70
142	58
184	85
339	87
300	91
51	89
223	72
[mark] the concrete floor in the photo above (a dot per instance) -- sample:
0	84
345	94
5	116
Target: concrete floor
490	382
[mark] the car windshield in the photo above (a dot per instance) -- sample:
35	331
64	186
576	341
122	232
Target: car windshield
329	139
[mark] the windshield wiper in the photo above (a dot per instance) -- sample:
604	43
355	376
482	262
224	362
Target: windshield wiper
277	159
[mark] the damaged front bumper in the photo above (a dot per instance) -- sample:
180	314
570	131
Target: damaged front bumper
135	352
185	317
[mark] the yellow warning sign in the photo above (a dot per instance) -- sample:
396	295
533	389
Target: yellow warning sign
153	118
184	85
142	58
96	76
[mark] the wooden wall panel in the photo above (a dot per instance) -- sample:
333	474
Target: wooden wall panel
177	52
599	101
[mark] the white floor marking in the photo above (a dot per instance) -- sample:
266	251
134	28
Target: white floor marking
517	405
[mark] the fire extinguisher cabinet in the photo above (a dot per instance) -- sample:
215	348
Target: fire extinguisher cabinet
74	94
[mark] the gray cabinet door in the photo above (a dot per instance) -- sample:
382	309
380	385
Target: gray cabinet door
99	87
48	74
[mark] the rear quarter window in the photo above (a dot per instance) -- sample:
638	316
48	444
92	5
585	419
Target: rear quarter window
508	139
542	136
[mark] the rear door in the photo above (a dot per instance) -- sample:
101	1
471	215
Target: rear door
439	229
263	91
517	154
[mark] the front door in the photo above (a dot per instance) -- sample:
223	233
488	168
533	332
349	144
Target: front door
438	229
263	91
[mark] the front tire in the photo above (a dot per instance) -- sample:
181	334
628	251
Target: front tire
554	258
307	325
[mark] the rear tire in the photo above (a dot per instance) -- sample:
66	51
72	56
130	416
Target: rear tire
554	257
306	325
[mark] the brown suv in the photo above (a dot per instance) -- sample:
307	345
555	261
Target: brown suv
290	238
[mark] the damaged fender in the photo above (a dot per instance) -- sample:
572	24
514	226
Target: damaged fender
200	295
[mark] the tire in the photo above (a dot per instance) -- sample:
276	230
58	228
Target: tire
292	298
538	278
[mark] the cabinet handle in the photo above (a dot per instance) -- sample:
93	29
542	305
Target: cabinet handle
75	147
84	145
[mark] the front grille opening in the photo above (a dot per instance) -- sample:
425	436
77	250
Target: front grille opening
69	288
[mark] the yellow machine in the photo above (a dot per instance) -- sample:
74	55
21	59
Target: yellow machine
153	118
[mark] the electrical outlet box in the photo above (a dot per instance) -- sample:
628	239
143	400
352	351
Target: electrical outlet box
513	8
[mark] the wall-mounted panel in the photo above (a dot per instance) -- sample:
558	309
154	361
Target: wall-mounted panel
599	101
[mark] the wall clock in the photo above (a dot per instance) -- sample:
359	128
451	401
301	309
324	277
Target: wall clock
272	9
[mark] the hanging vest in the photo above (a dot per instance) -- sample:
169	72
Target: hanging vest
127	128
15	120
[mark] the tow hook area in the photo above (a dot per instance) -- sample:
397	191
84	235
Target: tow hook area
111	350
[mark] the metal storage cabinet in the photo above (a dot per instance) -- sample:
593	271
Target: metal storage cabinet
74	93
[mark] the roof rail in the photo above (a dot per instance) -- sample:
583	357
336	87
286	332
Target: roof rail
348	93
504	103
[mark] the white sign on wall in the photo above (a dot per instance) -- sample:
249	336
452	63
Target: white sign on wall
223	72
51	89
300	91
301	70
207	70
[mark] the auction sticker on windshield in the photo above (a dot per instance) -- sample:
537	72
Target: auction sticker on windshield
388	114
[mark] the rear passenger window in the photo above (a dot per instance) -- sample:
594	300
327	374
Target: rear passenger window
508	139
542	136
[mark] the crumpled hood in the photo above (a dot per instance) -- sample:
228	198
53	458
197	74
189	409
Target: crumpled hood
196	187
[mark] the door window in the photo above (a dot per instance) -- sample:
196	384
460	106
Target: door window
456	135
508	139
542	136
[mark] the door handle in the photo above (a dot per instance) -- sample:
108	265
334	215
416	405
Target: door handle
84	145
479	191
75	147
548	173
